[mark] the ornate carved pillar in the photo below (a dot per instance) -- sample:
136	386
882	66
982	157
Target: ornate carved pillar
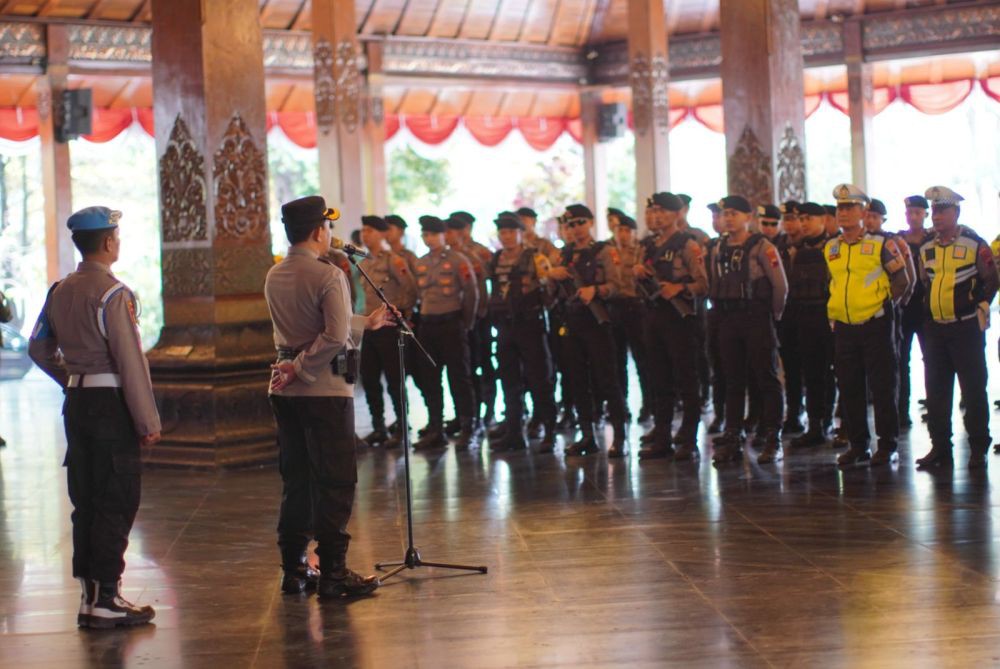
860	100
338	89
57	185
373	139
648	77
762	99
594	161
210	366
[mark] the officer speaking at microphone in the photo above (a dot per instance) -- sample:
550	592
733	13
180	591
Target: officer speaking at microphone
312	396
867	277
960	278
87	339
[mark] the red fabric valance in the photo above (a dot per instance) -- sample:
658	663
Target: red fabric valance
711	117
431	129
489	130
18	124
391	125
881	97
107	124
541	133
936	98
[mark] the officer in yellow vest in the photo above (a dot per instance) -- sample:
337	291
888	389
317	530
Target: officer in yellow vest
867	276
958	271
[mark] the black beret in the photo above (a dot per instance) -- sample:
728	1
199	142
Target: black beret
307	211
454	223
612	211
831	209
877	206
917	201
393	219
526	211
579	211
376	222
812	209
464	216
768	212
789	207
685	198
737	202
430	223
668	201
714	207
628	222
508	220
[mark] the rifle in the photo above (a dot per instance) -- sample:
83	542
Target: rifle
649	288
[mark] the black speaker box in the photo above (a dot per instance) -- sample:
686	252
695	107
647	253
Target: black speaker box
611	121
75	114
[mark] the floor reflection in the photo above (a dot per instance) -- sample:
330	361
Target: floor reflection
591	563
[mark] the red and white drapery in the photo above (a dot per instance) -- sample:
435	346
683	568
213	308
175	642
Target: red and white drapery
21	124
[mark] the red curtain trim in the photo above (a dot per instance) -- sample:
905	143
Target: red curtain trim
541	133
391	125
489	130
431	129
936	98
18	124
991	86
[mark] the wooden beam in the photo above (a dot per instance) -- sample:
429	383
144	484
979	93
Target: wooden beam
47	8
97	9
140	11
597	23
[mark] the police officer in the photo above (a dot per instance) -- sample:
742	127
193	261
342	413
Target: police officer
747	286
587	278
867	277
672	267
700	304
712	337
394	236
517	305
805	318
683	225
628	312
960	278
912	314
87	340
769	221
560	354
481	338
449	302
531	239
312	396
787	243
380	354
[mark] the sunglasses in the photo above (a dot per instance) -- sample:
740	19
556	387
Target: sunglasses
769	224
575	222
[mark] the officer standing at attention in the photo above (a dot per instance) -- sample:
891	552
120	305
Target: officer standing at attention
380	354
628	313
517	309
787	244
747	286
674	262
531	238
312	396
557	328
769	222
394	236
712	336
449	302
912	315
700	305
588	277
867	276
808	293
683	225
87	340
960	278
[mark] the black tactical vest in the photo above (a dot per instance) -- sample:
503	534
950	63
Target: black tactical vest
585	263
508	296
808	278
730	267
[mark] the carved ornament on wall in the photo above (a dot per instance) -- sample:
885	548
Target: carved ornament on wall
324	86
240	270
183	189
749	170
791	171
650	99
348	85
240	179
187	272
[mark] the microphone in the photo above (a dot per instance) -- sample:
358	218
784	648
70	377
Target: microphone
349	249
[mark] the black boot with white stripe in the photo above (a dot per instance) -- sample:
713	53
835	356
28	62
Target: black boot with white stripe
86	602
110	609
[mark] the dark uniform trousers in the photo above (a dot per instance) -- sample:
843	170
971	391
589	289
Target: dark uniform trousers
815	342
626	317
481	363
590	352
446	340
956	349
910	328
671	341
791	359
701	341
560	359
380	355
865	358
525	362
103	472
749	345
718	369
318	473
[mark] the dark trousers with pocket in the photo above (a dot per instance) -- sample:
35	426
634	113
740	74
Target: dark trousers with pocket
447	342
380	355
590	348
103	470
750	350
525	363
815	345
318	467
956	349
791	359
865	356
627	317
671	340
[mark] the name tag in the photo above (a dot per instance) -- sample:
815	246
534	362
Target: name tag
959	253
867	249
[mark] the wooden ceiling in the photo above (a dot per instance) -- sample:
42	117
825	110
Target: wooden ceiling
554	22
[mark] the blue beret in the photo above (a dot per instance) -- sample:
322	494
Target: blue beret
93	218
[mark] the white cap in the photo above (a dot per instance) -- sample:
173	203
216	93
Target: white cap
850	194
942	196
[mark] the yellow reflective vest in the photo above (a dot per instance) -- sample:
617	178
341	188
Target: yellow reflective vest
859	284
953	285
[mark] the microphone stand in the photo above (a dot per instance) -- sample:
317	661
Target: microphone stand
411	559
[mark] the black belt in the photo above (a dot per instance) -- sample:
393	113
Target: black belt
428	319
346	363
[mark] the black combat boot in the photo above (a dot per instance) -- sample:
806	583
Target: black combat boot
792	425
815	436
728	447
687	451
717	425
377	437
660	447
395	439
342	582
470	435
498	431
587	444
939	456
854	455
453	427
297	575
771	449
535	427
431	437
645	415
111	610
549	440
619	443
87	594
977	455
512	440
886	454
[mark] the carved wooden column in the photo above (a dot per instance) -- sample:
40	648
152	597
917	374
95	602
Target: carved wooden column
338	90
373	138
648	76
57	186
763	99
210	367
594	161
860	101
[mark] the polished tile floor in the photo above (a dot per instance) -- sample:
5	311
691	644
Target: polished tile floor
591	563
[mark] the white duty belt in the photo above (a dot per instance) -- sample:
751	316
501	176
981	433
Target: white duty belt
103	380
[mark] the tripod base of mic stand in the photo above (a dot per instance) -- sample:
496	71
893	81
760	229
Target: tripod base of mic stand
413	560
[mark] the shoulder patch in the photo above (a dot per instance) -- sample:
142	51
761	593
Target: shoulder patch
986	255
616	257
772	255
464	270
399	264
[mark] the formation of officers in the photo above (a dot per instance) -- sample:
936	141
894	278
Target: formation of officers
794	309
